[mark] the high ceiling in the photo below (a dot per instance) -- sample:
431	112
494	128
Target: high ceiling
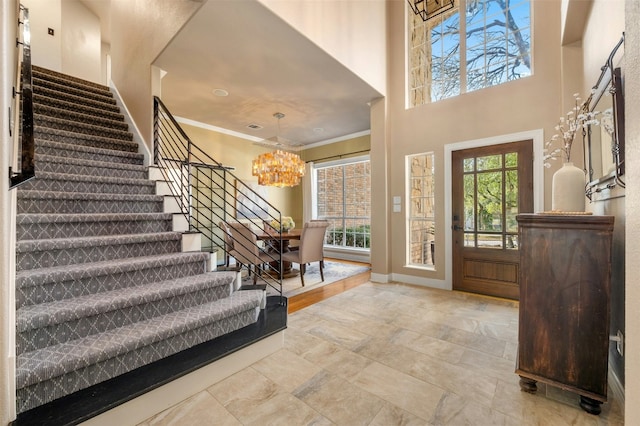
266	67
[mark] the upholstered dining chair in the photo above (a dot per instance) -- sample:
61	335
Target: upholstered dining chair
246	249
228	243
311	248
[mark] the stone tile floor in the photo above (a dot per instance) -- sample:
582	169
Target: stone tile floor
389	354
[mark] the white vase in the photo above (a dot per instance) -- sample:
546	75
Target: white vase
568	189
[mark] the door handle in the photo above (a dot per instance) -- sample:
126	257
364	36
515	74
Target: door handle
456	228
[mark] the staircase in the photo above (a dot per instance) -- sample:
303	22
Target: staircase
102	284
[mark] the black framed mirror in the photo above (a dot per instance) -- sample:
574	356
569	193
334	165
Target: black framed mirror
604	150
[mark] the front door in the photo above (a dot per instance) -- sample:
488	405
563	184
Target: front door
490	186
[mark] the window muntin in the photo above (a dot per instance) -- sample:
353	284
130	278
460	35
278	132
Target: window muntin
343	194
421	211
496	48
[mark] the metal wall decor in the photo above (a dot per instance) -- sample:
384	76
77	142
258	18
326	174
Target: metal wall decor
428	9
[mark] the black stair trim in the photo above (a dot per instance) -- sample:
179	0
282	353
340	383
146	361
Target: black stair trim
97	399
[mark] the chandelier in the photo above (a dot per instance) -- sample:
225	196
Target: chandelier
428	9
279	168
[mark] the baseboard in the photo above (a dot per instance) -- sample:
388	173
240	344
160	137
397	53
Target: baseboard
617	389
420	281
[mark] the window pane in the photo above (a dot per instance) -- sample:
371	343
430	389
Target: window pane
468	164
344	199
490	201
421	224
511	200
469	240
490	241
511	159
490	162
469	202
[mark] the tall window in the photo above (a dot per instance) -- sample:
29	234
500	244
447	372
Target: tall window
478	44
343	194
421	211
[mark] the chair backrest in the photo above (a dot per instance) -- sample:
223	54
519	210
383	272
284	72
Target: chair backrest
312	241
228	241
245	245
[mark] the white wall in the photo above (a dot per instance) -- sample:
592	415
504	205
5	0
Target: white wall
46	50
81	45
75	46
7	307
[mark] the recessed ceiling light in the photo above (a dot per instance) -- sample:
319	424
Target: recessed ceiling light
318	130
220	92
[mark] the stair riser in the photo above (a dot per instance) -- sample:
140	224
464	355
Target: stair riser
79	117
60	333
73	256
63	136
78	169
35	231
110	112
58	290
43	392
39	184
87	206
85	129
71	151
63	87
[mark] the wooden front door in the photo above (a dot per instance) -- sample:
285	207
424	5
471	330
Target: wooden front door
490	186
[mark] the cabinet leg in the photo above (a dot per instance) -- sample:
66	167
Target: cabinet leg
589	405
528	385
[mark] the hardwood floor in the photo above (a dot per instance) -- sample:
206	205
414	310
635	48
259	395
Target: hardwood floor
310	297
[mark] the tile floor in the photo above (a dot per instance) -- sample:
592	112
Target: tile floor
389	354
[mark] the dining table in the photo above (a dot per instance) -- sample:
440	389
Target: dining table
278	242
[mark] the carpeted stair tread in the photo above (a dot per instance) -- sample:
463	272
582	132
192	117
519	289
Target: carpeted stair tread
27	194
74	183
51	225
45	73
53	361
74	272
24	246
96	141
27	218
47	314
44	94
95	109
80	116
44	121
64	87
80	166
89	152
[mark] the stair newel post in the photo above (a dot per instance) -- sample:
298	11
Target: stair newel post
156	132
188	191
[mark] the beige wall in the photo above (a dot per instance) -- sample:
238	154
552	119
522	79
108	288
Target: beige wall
140	29
602	30
238	153
353	32
524	105
632	152
360	145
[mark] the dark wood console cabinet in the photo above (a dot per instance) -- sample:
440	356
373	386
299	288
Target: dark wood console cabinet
563	337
